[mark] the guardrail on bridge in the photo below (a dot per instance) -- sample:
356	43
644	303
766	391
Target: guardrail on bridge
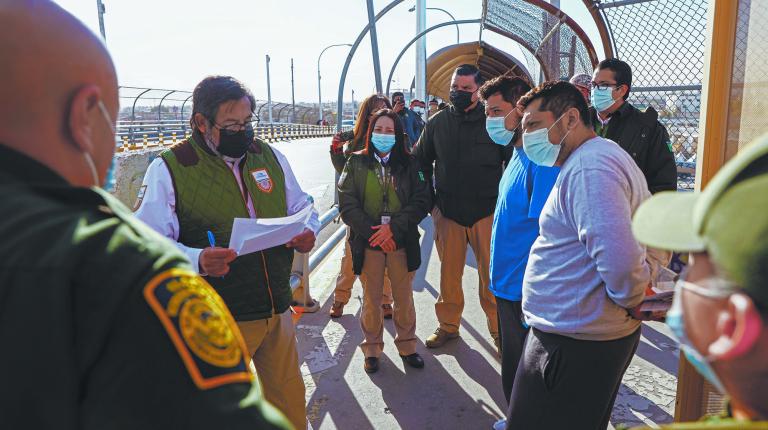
147	134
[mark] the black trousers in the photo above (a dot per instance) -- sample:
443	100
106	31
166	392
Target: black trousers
512	335
563	382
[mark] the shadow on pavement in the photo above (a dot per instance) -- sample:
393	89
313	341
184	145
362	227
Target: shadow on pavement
448	401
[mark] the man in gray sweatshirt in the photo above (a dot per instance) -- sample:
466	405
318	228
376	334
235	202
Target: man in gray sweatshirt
586	274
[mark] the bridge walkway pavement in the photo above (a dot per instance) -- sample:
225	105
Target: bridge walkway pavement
460	386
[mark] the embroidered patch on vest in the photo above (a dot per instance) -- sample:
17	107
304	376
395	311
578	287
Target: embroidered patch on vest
263	181
200	327
139	198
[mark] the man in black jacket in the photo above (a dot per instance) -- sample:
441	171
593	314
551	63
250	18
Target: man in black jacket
638	132
468	167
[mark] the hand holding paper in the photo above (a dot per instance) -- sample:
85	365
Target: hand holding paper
304	242
256	234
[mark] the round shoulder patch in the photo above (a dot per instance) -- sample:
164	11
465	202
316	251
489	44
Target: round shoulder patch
200	327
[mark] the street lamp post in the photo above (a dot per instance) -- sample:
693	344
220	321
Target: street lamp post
269	94
446	12
319	90
100	8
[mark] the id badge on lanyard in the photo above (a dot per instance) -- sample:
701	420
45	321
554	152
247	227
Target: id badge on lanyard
386	217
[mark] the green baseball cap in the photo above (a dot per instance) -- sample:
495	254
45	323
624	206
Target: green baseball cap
728	220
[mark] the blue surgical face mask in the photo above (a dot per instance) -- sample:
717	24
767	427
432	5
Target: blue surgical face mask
497	130
602	98
109	179
539	148
676	323
383	142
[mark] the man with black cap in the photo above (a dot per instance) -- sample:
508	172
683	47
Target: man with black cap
720	309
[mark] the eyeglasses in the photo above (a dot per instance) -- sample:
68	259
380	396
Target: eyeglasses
713	288
603	86
231	129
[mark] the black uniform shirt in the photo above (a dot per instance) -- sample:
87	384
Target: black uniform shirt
104	324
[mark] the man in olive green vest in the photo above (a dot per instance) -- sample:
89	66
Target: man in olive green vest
103	323
201	185
720	310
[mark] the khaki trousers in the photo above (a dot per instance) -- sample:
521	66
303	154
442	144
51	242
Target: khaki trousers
346	279
271	343
404	315
451	241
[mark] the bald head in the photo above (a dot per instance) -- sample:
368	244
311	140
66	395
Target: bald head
55	75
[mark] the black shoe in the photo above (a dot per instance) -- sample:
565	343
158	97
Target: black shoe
413	360
372	364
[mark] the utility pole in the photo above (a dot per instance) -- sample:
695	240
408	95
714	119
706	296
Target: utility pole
293	96
354	108
421	50
375	45
269	93
100	8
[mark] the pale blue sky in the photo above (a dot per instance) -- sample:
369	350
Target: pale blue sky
175	43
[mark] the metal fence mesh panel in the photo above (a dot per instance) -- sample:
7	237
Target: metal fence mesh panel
664	41
564	54
748	105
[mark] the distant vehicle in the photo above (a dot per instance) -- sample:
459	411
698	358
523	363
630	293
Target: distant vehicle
348	123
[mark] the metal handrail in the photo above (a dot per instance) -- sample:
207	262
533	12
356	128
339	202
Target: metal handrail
305	264
153	133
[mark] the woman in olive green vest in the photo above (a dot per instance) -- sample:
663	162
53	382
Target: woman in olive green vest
355	141
383	196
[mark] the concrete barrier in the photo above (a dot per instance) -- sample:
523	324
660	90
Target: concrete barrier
130	167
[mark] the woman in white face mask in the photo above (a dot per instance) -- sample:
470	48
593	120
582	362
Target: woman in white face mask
383	196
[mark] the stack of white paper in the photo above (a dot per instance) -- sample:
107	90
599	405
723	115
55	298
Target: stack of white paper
256	234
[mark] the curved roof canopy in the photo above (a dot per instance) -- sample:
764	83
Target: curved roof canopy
491	61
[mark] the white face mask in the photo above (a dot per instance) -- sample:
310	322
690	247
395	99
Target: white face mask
109	180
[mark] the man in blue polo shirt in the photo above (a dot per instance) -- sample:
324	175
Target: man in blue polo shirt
523	190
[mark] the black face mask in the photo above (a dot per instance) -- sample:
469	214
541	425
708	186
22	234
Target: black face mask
461	100
234	144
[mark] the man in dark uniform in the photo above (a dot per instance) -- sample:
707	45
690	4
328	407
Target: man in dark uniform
103	323
637	131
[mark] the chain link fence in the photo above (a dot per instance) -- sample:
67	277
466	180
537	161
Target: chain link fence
747	119
552	38
663	41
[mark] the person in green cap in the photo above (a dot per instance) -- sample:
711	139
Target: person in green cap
720	309
103	323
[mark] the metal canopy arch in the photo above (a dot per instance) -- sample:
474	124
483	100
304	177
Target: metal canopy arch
263	103
548	8
350	55
419	36
160	106
554	22
602	27
490	60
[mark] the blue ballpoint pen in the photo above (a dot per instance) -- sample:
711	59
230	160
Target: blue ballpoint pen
212	241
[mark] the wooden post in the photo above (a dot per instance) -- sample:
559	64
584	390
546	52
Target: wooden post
713	128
